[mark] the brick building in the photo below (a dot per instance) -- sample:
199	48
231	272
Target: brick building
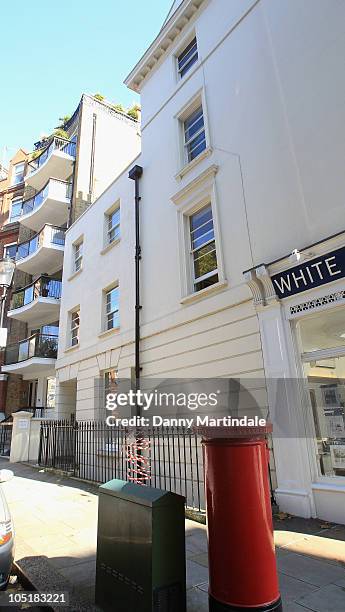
13	390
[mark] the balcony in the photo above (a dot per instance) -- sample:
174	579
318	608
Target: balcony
43	252
50	204
55	161
34	356
37	303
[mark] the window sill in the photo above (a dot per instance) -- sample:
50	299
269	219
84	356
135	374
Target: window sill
71	348
188	167
108	332
199	295
110	246
75	274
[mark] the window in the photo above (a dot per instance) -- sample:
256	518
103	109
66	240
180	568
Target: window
78	256
194	134
321	340
50	392
10	250
113	225
203	249
112	317
187	58
75	324
110	382
16	209
18	173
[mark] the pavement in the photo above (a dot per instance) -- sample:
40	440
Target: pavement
56	530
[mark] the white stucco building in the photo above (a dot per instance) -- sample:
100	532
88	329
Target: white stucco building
242	154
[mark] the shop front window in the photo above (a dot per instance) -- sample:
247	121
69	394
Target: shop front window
322	339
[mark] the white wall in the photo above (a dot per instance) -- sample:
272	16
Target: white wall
275	97
117	141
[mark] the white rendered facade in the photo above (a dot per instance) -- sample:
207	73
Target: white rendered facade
267	80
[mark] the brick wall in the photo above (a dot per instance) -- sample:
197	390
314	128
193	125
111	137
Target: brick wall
13	391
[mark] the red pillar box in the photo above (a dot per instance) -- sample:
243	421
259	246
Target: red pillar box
242	563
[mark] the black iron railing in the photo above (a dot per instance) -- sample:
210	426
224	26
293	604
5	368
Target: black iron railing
42	287
49	235
59	144
54	188
90	450
37	345
5	438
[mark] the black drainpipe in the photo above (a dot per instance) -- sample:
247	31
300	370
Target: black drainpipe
135	174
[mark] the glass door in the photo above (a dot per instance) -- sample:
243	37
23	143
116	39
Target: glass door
326	385
322	342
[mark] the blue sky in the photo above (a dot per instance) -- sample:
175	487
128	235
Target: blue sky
53	50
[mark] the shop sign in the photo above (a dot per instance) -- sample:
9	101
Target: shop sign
313	273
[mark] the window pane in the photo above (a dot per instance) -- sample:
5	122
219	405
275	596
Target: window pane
201	217
51	390
203	248
18	174
110	382
16	209
112	308
196	146
193	124
326	385
78	256
204	238
114	225
188	57
206	282
114	218
205	260
10	251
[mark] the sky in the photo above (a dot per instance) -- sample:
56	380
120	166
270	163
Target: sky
54	50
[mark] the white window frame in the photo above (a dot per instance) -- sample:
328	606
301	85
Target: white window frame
107	230
183	163
214	272
14	201
14	173
181	50
189	200
78	255
72	328
188	141
8	245
105	315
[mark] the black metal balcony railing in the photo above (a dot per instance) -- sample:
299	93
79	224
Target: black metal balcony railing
49	235
56	189
38	345
57	144
42	287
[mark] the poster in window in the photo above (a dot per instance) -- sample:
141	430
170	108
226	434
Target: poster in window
338	456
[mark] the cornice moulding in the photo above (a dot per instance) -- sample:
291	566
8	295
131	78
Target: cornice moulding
163	43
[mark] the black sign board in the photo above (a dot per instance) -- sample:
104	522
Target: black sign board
310	274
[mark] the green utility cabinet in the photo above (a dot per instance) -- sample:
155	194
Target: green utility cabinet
141	563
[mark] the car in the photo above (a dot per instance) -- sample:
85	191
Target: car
6	534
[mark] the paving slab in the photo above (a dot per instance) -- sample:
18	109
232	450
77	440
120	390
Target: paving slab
330	550
312	571
201	558
291	589
330	598
197	600
196	574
